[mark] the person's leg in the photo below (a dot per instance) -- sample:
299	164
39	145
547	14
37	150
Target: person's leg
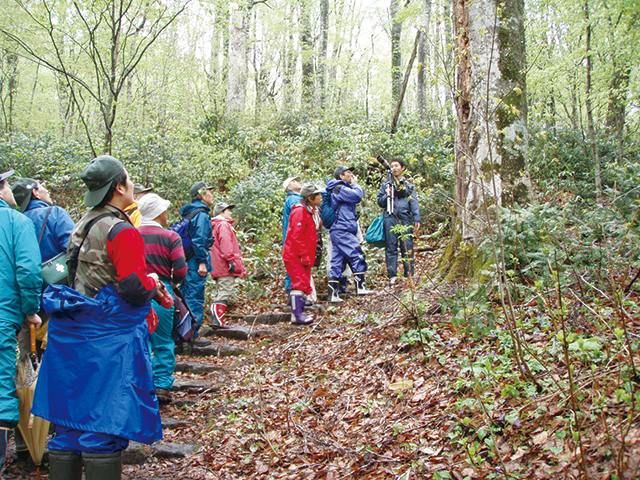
406	249
9	413
219	308
163	346
101	453
193	290
300	284
391	248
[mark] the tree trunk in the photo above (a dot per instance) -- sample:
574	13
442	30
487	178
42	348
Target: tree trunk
237	60
491	135
617	108
306	54
590	124
396	51
322	61
423	57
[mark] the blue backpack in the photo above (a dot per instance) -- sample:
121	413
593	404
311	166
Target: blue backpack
182	228
184	321
327	213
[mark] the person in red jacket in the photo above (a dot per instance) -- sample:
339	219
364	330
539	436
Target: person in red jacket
226	260
299	252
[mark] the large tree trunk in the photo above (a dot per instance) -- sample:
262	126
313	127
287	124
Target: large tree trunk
396	51
491	135
423	58
307	54
237	73
322	61
590	123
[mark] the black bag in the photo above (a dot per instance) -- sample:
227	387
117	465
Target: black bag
319	246
184	321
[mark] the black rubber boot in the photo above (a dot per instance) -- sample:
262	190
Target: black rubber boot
361	288
334	285
103	466
64	465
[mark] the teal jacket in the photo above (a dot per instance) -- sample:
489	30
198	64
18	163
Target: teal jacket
20	266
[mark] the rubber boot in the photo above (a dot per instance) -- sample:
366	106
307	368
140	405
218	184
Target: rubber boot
102	466
64	465
298	317
218	311
361	288
333	297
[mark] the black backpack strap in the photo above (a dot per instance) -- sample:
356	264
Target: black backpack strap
194	212
44	224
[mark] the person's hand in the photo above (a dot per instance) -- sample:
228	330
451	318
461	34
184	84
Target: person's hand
232	267
416	228
202	269
388	189
156	278
35	319
354	178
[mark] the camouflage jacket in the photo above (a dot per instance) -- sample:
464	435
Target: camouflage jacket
113	252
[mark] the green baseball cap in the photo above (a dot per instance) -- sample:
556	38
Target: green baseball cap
98	176
199	188
23	191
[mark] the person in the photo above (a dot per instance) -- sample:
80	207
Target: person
21	279
139	191
199	261
98	333
35	202
292	188
226	260
404	210
165	256
299	251
53	229
346	193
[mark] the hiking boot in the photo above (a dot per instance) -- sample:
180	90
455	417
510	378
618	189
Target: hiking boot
297	305
201	342
164	395
218	311
333	292
361	288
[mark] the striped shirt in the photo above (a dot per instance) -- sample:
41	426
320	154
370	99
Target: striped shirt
164	252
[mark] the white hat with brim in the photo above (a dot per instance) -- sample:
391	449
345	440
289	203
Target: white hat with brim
151	206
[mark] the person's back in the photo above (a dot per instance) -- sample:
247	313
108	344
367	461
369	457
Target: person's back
35	202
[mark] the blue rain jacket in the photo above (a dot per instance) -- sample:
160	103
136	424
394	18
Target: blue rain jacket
347	196
20	267
96	372
200	231
55	236
292	199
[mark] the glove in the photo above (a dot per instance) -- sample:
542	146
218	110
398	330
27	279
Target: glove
232	267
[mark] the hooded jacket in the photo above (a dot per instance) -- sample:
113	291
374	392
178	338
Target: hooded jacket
96	375
302	237
57	231
292	199
225	249
344	198
20	266
200	231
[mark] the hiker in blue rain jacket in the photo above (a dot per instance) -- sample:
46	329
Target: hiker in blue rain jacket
345	195
21	282
199	262
406	211
34	201
96	382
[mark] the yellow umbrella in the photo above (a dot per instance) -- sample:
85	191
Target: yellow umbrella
35	430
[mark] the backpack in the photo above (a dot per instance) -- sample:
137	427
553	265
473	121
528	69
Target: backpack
182	228
184	321
327	213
